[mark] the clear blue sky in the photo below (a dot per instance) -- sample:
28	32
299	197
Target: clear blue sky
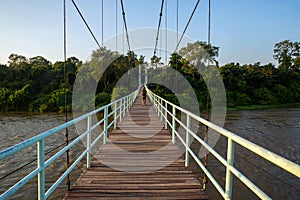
245	30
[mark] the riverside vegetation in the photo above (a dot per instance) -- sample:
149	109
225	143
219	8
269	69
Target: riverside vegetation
36	84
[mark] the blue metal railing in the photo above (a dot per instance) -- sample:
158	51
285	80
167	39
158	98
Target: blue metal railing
162	109
118	110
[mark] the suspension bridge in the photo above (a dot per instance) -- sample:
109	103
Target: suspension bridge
142	155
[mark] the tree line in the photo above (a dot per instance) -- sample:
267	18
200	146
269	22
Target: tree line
36	84
249	84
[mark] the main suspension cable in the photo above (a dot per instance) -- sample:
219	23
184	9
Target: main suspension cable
158	27
83	19
195	8
125	25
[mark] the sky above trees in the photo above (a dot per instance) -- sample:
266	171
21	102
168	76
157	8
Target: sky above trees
245	31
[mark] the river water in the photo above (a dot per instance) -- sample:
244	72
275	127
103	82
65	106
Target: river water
276	129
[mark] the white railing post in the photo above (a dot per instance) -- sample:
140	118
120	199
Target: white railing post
166	115
105	124
128	104
158	106
173	124
124	108
115	114
160	109
131	100
88	142
41	164
120	110
230	160
187	140
155	103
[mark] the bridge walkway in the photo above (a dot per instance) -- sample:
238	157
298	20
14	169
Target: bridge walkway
137	162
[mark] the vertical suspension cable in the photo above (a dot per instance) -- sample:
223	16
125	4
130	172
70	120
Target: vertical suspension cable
123	40
177	21
166	33
65	95
205	179
102	22
116	25
166	42
208	32
177	14
160	44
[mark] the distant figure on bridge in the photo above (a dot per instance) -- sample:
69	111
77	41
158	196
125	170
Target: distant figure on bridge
144	94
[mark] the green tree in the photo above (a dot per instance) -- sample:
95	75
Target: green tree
285	53
16	60
297	63
200	52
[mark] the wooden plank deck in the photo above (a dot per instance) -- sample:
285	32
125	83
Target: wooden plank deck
138	162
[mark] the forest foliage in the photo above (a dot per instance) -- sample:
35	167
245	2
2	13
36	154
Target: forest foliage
36	84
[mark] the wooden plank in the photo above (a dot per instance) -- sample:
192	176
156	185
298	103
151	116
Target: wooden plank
126	148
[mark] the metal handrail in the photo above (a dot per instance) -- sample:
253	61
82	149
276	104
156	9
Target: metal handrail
161	106
118	109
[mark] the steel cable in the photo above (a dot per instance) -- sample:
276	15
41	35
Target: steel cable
158	27
195	8
125	25
88	27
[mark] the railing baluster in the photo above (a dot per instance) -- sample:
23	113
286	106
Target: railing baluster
158	106
187	141
124	109
230	160
120	108
115	115
173	125
41	164
127	103
105	124
166	115
161	109
88	143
